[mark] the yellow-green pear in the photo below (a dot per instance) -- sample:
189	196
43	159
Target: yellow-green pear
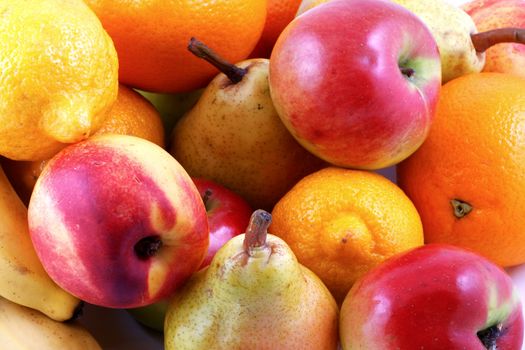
234	136
452	28
254	295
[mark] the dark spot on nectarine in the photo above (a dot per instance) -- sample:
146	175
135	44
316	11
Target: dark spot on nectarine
147	247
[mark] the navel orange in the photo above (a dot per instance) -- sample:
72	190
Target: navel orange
467	180
151	38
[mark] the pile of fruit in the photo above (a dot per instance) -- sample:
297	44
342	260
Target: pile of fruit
213	168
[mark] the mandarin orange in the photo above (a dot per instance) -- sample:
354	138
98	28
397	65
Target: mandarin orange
340	223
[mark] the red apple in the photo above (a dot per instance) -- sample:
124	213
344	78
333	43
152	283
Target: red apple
433	297
492	14
356	82
117	222
228	214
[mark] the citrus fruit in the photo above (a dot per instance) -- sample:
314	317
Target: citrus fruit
151	38
131	114
59	76
340	223
467	180
279	14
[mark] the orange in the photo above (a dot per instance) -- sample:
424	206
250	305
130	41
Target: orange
340	223
279	14
151	38
59	76
467	180
131	114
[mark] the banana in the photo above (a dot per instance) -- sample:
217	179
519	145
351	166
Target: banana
22	328
23	278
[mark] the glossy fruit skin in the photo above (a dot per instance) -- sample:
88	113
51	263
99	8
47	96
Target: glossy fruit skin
94	206
350	104
228	215
492	14
433	297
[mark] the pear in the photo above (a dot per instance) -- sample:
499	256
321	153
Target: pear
254	295
462	48
234	136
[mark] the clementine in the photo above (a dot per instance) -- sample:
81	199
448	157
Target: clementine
467	180
340	223
151	38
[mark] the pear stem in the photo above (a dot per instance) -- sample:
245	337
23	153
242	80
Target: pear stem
482	41
257	230
199	49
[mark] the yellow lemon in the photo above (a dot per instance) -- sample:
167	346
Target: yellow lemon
58	74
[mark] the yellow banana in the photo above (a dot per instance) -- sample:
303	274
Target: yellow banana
22	328
23	278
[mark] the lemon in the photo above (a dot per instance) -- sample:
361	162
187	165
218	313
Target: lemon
58	77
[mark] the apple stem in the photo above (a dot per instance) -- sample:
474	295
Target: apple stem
148	247
482	41
256	232
199	49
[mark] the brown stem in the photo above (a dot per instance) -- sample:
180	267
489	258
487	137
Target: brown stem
257	230
482	41
199	49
